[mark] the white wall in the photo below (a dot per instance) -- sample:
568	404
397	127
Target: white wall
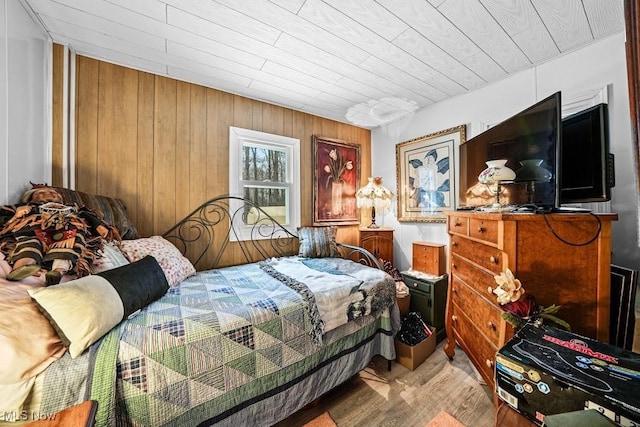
25	106
593	67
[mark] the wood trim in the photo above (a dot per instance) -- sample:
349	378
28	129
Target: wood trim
632	25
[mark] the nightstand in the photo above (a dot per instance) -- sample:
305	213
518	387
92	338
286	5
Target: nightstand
429	298
80	415
378	241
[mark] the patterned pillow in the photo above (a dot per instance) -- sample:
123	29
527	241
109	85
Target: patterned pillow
318	242
112	208
175	266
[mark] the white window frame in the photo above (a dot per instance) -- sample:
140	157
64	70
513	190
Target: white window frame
238	137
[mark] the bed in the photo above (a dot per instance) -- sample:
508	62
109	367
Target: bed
242	344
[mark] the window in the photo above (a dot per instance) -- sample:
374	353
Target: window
265	169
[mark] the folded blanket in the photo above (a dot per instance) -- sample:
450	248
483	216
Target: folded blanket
341	290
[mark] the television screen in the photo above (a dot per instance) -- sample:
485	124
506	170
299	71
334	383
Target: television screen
529	142
586	165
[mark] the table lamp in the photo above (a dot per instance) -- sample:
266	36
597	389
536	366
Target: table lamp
531	173
496	173
374	196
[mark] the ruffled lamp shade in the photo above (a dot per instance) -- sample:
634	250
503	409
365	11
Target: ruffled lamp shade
374	196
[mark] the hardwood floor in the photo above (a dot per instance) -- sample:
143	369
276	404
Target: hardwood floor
401	397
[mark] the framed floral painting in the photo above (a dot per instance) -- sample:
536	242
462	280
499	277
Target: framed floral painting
335	181
426	175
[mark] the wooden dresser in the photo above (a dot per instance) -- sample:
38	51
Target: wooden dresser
378	241
485	244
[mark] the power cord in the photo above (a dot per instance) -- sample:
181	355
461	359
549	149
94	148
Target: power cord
546	220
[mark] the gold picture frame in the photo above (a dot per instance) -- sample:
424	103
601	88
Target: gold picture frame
425	168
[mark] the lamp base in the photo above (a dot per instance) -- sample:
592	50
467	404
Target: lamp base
497	208
373	225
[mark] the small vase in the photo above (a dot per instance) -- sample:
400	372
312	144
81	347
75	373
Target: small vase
336	198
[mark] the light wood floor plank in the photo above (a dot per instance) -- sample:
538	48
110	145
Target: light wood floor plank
401	397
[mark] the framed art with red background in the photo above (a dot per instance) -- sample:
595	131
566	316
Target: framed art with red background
335	181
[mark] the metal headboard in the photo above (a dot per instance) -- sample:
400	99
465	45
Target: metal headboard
223	220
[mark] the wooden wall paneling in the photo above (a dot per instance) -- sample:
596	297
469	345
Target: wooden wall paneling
300	130
87	84
257	120
117	132
57	92
183	149
273	119
141	211
243	112
219	117
164	153
176	135
198	156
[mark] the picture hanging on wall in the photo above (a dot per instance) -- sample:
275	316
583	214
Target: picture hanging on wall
335	181
425	168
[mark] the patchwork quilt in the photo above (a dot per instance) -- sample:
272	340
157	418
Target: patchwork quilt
225	338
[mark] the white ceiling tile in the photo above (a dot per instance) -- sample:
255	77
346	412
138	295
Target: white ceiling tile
292	6
427	52
371	15
474	20
323	56
536	43
154	9
605	16
566	21
220	15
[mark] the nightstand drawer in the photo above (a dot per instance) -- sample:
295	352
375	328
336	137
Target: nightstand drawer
485	256
417	284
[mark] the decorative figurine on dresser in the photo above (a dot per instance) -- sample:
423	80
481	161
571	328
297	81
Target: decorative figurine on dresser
427	283
560	258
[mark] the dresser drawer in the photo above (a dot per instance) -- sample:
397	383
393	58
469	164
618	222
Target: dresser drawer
477	279
485	256
459	225
484	229
481	352
483	314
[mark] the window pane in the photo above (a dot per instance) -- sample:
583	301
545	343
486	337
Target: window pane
264	163
272	200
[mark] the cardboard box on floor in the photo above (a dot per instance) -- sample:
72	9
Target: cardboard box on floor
412	356
544	371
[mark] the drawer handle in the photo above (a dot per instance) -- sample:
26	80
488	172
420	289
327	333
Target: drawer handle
491	325
454	318
455	290
454	266
454	243
481	229
415	285
490	290
493	259
489	363
456	224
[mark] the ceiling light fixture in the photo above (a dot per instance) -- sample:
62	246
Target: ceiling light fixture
381	111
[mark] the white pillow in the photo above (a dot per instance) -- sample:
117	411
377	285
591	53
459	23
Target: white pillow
109	258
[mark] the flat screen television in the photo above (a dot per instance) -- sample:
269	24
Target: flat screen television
530	142
587	173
